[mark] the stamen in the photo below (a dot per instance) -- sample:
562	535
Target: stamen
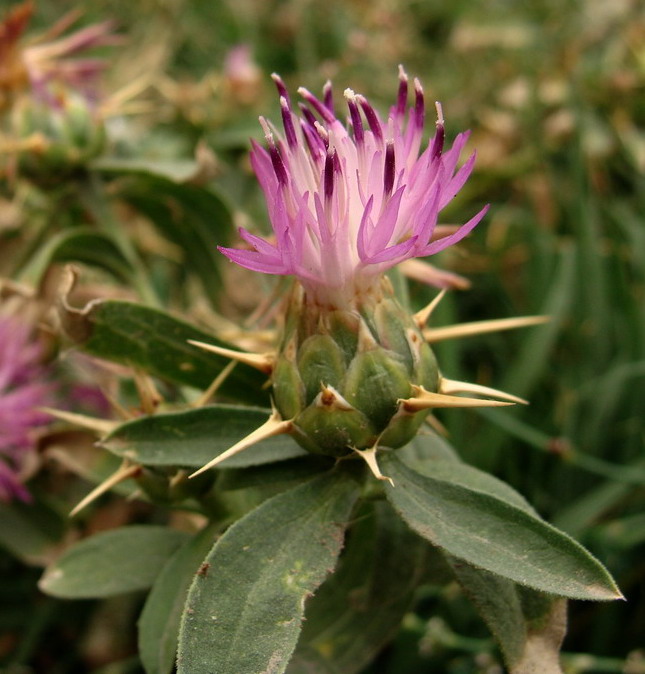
372	118
357	122
313	140
419	104
322	132
317	105
287	122
282	88
329	174
440	134
328	96
276	158
309	116
402	97
389	169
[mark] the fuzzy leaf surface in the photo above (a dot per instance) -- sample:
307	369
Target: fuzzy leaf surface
495	535
194	437
161	615
112	563
157	343
529	626
244	614
360	607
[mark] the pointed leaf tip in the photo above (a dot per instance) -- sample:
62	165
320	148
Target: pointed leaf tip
272	427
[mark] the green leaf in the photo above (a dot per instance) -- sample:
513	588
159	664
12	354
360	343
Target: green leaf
176	170
194	437
158	343
528	625
111	563
495	535
161	615
459	473
360	607
29	531
80	244
244	614
193	217
276	476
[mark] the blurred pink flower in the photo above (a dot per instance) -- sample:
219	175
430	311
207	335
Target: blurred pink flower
51	62
23	389
345	207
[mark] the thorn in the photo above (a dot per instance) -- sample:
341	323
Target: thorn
421	317
424	400
273	426
125	472
214	387
148	394
437	426
331	399
480	327
260	361
102	426
369	456
428	274
450	386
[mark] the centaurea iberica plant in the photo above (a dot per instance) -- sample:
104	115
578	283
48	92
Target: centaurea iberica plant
23	390
353	372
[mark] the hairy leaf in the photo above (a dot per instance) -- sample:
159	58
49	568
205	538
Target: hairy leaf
111	563
495	535
194	437
244	612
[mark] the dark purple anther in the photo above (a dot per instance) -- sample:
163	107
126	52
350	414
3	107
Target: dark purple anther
329	174
287	122
313	140
278	164
322	133
276	158
388	171
402	97
419	104
282	88
328	96
308	115
317	105
372	118
354	113
440	134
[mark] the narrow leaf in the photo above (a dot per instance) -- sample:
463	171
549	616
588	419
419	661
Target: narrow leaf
159	621
495	535
157	343
111	563
194	437
361	606
528	625
80	244
244	613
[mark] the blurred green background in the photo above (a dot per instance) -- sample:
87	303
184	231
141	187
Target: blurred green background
554	93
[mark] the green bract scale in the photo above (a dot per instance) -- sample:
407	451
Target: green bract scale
341	375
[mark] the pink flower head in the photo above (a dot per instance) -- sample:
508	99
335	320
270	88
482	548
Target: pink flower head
347	205
23	389
52	63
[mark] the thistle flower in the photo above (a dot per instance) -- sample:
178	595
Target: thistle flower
49	64
353	372
23	389
347	206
